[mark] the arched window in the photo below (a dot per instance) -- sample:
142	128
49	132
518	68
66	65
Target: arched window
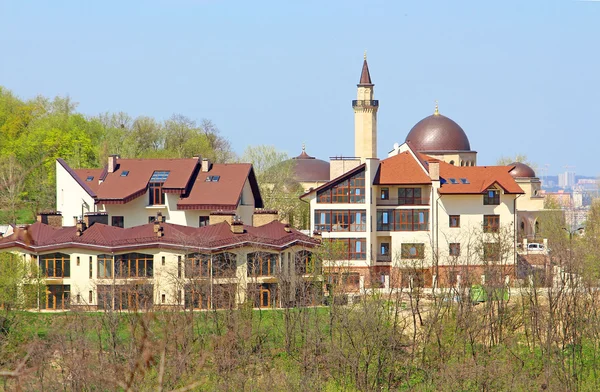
197	265
134	265
451	162
262	263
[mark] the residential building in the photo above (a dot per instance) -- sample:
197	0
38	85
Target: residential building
427	214
168	265
131	191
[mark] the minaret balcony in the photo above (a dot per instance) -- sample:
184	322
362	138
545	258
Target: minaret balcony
365	103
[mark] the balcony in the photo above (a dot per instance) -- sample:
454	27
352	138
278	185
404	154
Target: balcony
384	258
360	103
394	201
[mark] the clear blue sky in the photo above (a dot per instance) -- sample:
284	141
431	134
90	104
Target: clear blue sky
520	76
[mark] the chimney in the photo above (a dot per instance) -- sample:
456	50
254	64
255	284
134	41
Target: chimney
112	163
50	218
262	217
197	157
158	229
237	226
206	165
160	217
287	228
434	171
89	218
221	216
81	226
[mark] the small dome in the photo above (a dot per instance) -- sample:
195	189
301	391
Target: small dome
438	133
310	169
521	170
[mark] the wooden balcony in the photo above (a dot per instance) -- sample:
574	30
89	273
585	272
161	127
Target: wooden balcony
394	202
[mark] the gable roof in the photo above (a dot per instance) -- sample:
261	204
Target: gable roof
185	178
223	194
336	180
401	169
40	237
117	188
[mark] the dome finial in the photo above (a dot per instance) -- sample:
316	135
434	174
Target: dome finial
437	109
365	55
303	147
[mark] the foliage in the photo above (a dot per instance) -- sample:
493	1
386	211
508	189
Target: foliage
36	132
505	161
279	189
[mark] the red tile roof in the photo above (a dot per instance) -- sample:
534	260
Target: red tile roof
184	178
83	174
223	194
365	75
401	169
40	237
479	178
125	188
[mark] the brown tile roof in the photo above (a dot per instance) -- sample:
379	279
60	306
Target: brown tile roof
40	237
125	188
83	174
401	169
223	194
184	178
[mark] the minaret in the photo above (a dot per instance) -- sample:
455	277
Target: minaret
365	116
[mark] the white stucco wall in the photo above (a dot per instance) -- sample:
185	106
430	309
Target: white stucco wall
70	196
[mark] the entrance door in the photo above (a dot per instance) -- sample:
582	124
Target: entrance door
265	298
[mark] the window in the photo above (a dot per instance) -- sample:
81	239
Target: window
55	265
412	251
351	190
491	197
118	221
464	181
340	220
57	297
455	249
163	261
454	220
262	264
491	223
305	263
124	173
385	193
196	296
151	219
78	261
491	251
351	248
91	268
224	265
350	281
409	196
402	220
453	181
384	248
203	221
91	297
105	266
197	265
134	265
163	298
89	178
157	196
213	178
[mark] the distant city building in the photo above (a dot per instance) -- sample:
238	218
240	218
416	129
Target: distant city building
566	179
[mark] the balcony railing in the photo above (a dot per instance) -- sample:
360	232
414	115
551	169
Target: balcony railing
358	103
394	201
384	258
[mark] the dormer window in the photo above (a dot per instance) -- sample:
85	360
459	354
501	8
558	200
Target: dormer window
124	173
213	178
89	178
156	194
491	197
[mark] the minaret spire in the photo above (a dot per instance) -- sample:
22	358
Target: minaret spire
365	116
365	76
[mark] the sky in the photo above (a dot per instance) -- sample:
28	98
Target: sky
519	76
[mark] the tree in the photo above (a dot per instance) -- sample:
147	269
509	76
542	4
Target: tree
505	161
12	183
278	187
